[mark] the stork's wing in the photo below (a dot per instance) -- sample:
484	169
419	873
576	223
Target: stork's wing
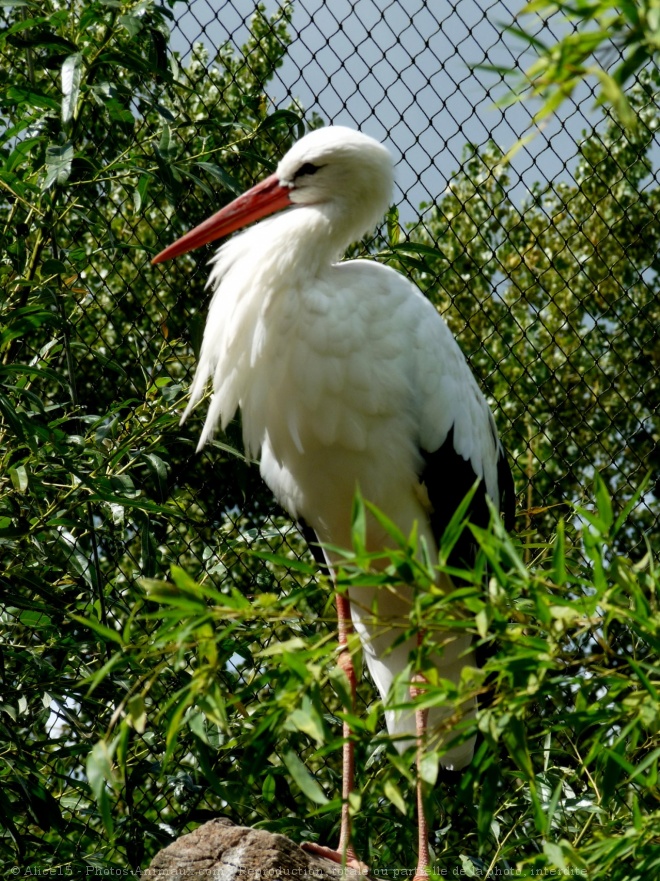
458	437
313	544
448	478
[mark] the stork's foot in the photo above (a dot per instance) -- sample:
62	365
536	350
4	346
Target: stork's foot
348	859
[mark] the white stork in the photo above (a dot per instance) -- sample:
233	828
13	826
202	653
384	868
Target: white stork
347	378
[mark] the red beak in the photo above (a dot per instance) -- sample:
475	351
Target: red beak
263	199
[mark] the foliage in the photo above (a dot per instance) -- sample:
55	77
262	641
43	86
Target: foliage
157	672
566	769
610	42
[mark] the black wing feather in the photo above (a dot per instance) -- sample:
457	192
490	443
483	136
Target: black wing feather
448	478
507	491
312	541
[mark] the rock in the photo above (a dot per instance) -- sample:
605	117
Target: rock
221	851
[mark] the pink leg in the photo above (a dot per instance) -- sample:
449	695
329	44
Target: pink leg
344	852
421	720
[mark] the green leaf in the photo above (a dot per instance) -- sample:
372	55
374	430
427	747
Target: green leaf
292	564
165	145
394	231
292	645
107	633
129	61
148	545
515	738
132	24
58	165
41	39
340	682
227	181
467	866
630	10
21	153
631	504
429	767
359	524
487	801
100	776
71	77
119	113
137	713
43	807
308	786
287	117
388	526
17	95
603	502
555	854
19	478
160	471
559	554
140	192
54	267
393	794
213	704
612	93
456	525
307	719
268	789
197	180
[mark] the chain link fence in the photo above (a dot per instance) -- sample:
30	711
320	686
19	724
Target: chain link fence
545	268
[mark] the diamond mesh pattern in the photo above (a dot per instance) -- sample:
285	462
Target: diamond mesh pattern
546	270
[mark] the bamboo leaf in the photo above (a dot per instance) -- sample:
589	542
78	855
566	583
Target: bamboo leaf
107	633
304	779
393	793
71	77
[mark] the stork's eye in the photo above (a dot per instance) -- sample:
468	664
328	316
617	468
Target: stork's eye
307	169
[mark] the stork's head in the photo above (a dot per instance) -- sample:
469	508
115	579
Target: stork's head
347	175
342	169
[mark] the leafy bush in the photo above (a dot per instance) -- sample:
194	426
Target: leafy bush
564	778
156	670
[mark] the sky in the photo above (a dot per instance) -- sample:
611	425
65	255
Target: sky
403	72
